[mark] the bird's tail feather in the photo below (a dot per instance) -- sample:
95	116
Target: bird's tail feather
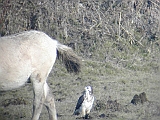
76	112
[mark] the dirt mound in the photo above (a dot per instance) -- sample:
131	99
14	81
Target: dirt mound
141	98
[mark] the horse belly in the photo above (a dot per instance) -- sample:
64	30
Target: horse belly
8	83
14	77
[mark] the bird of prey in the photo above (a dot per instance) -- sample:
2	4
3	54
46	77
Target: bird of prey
85	103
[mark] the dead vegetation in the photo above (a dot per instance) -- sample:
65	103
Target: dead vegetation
119	41
125	33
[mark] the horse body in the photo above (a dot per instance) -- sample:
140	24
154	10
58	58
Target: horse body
32	54
24	54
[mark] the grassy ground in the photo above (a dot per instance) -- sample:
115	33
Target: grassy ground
119	41
119	83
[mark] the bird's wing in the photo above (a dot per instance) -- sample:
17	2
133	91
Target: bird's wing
80	101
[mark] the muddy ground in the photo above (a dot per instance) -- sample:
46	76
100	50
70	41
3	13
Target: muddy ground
113	93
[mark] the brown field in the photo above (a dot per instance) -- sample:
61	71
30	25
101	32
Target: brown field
119	43
118	83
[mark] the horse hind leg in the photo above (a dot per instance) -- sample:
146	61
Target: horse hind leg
39	96
49	103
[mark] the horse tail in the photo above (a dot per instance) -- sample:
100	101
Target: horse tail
69	58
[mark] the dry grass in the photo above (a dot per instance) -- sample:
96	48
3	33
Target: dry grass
121	86
118	41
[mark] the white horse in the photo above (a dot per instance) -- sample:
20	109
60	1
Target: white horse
31	55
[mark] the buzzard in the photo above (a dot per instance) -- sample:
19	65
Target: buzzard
85	103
